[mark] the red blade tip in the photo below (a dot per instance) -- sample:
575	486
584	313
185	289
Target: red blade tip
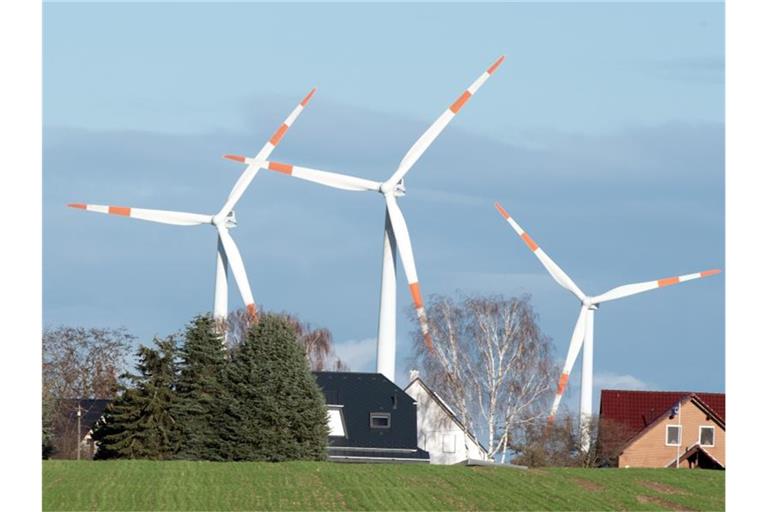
502	211
495	65
711	272
236	158
76	205
308	97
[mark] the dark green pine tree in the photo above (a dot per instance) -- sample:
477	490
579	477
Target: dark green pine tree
200	390
139	423
274	409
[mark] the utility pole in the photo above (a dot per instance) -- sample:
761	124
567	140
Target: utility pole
79	413
679	432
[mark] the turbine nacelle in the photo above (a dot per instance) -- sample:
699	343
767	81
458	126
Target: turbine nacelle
228	221
397	190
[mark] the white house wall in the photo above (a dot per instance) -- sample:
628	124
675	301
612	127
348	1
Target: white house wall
438	433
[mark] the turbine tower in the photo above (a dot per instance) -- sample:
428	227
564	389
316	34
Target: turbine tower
227	254
583	332
396	236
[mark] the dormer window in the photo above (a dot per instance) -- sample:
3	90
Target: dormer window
380	420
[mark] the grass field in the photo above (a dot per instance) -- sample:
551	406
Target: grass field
147	485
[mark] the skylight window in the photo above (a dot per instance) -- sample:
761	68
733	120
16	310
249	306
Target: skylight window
336	422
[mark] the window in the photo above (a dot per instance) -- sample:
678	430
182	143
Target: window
336	422
449	443
380	420
706	436
673	435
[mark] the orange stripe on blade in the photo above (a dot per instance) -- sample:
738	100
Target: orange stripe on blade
428	342
668	281
502	211
120	210
236	158
278	135
710	272
77	205
495	65
308	97
563	382
416	294
277	166
529	241
460	102
251	308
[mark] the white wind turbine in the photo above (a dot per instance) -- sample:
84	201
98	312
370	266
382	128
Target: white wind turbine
227	254
395	230
583	331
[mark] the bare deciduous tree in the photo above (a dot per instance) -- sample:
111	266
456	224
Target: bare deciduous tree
81	362
491	362
316	342
78	362
560	444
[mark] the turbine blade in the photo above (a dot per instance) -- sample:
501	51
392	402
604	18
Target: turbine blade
250	172
632	289
577	340
428	137
403	240
238	269
161	216
330	179
554	270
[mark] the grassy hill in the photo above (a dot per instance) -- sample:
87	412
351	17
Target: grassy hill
177	485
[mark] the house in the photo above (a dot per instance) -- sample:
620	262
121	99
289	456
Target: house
665	428
440	431
370	419
72	435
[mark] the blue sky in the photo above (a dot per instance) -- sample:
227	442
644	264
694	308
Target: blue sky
602	134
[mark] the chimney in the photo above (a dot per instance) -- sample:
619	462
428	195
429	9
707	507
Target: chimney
414	375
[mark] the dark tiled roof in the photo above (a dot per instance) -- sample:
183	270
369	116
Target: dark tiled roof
638	409
91	411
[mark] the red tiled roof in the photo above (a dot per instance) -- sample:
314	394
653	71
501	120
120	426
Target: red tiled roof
638	409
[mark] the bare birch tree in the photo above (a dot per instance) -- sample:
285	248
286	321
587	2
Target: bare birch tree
491	362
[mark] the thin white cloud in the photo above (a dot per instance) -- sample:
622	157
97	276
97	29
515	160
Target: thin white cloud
360	355
619	381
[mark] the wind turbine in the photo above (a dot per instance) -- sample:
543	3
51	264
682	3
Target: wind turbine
227	254
395	230
583	332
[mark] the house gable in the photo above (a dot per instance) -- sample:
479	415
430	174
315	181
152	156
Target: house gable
441	433
377	417
651	447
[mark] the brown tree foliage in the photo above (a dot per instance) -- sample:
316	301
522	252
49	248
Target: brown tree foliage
560	443
317	343
80	362
491	362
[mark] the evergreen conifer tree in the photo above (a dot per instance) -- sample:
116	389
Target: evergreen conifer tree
274	409
199	390
139	423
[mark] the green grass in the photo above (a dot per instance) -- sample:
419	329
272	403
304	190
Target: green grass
147	485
